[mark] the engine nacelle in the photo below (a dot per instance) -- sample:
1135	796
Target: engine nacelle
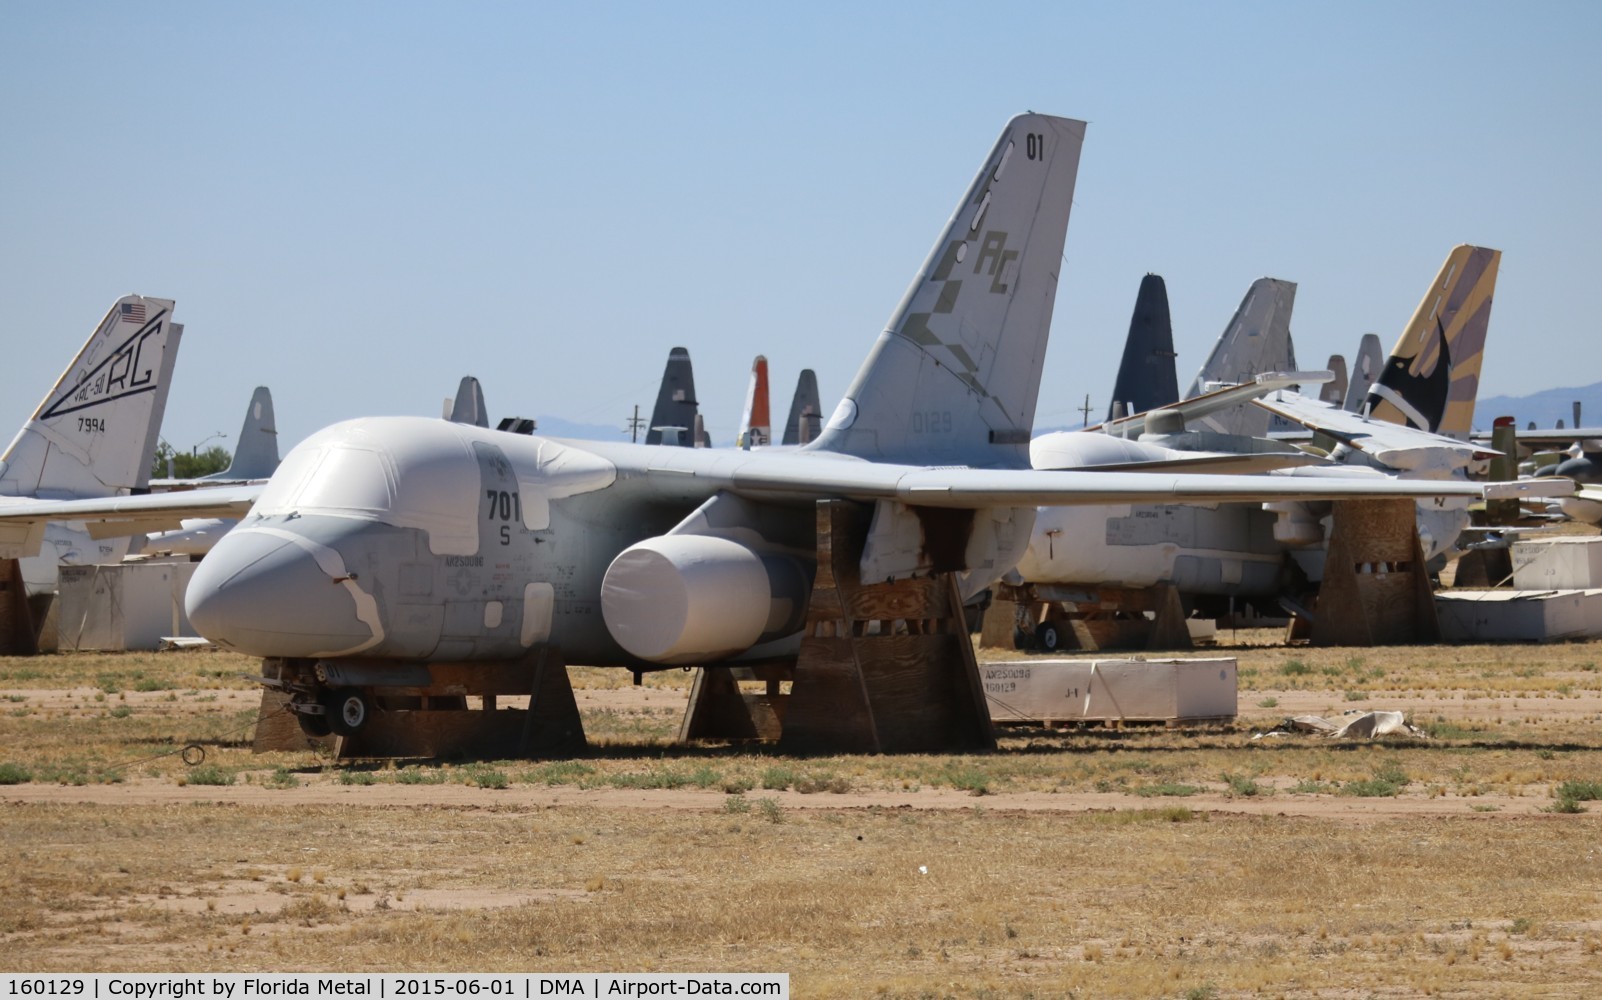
683	599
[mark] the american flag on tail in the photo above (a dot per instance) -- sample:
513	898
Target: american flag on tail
133	312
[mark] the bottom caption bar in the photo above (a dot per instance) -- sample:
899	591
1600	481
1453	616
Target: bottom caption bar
318	986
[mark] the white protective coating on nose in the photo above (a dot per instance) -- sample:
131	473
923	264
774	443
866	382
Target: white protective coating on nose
271	592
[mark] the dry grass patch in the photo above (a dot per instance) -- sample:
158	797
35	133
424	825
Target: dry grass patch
1147	902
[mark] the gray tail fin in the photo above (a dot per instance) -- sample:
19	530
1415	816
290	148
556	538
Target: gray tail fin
1365	369
675	402
1256	340
954	378
1146	378
95	433
806	411
1334	391
257	454
467	408
1432	377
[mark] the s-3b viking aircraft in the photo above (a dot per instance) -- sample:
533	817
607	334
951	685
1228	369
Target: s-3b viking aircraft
386	544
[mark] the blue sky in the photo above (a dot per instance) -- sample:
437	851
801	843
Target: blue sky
357	203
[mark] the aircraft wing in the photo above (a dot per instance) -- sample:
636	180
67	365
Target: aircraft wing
22	520
1395	445
1550	437
1200	406
804	478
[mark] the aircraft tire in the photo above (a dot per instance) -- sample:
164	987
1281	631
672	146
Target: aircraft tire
347	710
1047	637
314	726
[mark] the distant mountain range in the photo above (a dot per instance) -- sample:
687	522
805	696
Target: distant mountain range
1545	408
556	427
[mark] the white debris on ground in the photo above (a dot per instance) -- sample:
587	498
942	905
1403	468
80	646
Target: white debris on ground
1355	726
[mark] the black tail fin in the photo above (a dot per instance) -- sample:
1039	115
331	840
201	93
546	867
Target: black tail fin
1146	377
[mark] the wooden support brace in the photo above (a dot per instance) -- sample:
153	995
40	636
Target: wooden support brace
718	709
18	636
884	667
1376	590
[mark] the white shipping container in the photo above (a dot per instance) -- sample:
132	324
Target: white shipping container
1519	615
1567	563
123	606
1108	690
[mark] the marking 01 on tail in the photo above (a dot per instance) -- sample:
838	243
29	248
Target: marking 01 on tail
955	377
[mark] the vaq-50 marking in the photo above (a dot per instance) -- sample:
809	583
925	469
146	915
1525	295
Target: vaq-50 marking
386	543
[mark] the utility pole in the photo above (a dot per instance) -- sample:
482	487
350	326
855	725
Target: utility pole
1086	409
635	422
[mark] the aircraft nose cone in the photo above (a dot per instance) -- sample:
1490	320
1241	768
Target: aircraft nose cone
266	593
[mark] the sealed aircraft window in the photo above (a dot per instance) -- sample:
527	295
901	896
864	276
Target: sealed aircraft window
349	479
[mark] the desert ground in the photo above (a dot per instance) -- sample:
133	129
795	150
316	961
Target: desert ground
1142	861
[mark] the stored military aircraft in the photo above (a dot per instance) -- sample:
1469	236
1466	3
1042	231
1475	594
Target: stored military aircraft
94	435
386	543
1257	340
1248	551
1146	378
675	418
254	461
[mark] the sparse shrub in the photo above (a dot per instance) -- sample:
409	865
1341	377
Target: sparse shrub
1241	784
559	772
777	779
349	777
209	774
771	811
1388	780
491	779
1268	703
1167	788
14	774
1295	668
283	777
1579	791
419	776
121	712
738	786
737	805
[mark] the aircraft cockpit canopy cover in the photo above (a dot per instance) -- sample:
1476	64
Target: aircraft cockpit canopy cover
424	478
429	474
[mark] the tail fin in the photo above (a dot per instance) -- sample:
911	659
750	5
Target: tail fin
806	411
1256	340
1333	391
955	377
95	433
1432	377
675	402
1146	378
1365	369
257	454
756	427
467	408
